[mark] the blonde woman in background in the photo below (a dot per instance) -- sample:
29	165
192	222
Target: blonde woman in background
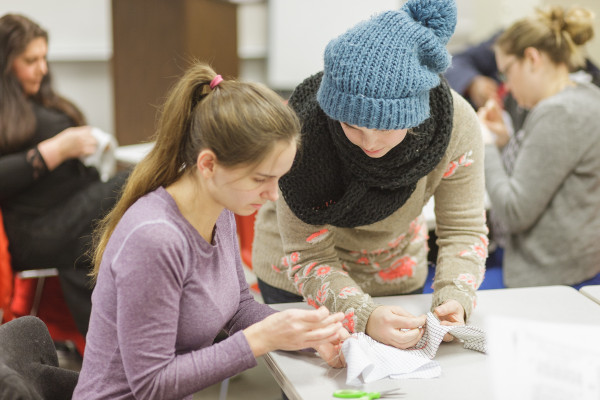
546	187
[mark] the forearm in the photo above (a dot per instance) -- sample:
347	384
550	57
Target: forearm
314	268
19	170
249	310
460	220
248	313
185	374
50	149
336	290
463	249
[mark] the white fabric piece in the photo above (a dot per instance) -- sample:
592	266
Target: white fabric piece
104	158
368	360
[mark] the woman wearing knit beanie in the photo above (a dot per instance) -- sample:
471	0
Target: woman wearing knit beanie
545	185
382	133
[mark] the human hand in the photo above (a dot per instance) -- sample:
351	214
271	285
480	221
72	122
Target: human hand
294	329
77	142
450	313
394	326
490	117
332	352
73	142
481	89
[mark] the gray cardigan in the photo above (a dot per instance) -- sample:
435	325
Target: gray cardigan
551	202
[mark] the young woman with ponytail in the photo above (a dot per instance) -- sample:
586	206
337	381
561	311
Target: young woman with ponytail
168	273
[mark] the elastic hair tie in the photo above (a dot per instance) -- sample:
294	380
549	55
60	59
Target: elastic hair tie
215	82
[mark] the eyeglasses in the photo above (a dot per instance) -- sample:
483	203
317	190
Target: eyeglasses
502	74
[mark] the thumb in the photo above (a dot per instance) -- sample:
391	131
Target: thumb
319	314
442	309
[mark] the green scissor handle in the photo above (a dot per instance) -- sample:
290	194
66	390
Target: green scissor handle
356	394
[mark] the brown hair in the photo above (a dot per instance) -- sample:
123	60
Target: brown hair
240	122
17	122
555	31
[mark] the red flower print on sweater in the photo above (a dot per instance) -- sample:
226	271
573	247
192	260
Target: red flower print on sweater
309	268
419	231
323	270
322	293
401	268
363	260
317	236
311	302
349	320
477	250
290	259
397	241
466	280
463	161
348	291
294	257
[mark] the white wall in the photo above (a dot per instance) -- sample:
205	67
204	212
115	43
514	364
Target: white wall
299	30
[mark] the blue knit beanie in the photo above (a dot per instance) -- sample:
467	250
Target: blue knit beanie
378	74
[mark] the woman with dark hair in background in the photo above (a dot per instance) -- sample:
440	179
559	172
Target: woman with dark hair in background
49	199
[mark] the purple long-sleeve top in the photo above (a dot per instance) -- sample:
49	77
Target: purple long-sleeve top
162	296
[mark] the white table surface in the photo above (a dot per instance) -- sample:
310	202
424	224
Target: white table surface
591	291
465	373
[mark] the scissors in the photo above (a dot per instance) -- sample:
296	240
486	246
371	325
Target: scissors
362	395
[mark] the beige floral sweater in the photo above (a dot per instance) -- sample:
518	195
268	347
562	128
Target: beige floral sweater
342	268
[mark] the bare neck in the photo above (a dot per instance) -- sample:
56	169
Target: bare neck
196	205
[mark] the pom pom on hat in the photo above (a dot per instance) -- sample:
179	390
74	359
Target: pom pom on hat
439	16
378	74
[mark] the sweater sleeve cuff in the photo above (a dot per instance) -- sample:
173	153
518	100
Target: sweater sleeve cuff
37	162
247	359
362	316
465	298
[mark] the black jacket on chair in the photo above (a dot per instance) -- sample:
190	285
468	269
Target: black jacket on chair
29	363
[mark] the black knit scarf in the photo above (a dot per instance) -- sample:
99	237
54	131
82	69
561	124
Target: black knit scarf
334	182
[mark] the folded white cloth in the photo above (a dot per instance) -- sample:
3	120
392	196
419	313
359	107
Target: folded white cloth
368	360
104	158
